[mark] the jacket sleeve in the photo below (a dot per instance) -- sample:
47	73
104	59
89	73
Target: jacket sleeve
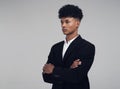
77	74
50	78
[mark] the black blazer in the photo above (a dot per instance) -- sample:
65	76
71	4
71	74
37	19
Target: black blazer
65	78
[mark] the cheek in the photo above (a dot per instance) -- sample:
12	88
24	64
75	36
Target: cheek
72	26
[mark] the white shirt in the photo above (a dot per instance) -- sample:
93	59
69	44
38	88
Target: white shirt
66	45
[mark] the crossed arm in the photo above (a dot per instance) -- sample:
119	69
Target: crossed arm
48	68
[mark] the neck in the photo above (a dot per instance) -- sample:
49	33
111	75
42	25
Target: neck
71	36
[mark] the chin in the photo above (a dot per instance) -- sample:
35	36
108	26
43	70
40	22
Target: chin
65	33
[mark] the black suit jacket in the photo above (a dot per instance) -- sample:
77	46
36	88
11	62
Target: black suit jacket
63	77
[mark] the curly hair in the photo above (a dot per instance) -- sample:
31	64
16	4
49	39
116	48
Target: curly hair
70	11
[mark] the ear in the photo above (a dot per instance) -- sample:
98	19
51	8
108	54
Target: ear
78	23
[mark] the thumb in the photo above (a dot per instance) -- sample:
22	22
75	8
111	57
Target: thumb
78	60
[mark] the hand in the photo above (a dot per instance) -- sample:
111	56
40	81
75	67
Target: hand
76	63
48	68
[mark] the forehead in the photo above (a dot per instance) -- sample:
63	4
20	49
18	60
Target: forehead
67	18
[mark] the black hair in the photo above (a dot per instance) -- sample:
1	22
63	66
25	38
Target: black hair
70	11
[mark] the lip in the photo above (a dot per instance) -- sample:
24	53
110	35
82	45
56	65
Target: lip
64	29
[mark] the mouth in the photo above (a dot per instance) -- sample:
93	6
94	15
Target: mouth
64	29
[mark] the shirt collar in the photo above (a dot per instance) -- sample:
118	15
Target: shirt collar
70	41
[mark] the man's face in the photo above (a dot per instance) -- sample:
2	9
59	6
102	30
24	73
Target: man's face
69	25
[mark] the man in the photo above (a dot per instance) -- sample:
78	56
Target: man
69	61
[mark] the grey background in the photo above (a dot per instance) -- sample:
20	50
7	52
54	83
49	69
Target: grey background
28	29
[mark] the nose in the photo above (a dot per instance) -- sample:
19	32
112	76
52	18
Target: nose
63	25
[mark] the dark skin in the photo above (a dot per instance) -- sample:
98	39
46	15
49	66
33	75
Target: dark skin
70	29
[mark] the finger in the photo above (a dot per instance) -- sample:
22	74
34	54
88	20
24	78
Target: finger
79	63
50	63
77	60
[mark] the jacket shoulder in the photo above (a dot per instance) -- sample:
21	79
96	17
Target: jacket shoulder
58	44
87	43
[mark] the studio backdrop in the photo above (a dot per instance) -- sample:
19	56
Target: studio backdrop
28	29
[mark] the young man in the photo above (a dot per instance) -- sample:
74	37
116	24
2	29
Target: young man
69	61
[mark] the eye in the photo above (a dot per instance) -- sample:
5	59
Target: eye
67	21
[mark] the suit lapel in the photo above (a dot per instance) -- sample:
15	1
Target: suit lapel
60	52
61	49
71	47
